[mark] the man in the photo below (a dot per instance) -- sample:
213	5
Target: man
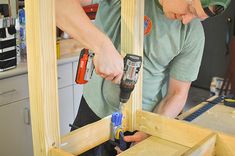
173	47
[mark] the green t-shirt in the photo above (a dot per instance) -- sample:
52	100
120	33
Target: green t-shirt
171	49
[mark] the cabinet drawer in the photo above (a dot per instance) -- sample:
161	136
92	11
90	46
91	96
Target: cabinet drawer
65	75
13	89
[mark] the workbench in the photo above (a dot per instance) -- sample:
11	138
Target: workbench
219	118
169	137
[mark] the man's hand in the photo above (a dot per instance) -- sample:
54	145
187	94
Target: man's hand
136	138
108	62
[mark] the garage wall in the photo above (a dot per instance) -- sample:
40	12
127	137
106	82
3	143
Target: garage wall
216	57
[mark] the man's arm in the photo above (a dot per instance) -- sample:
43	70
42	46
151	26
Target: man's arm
175	99
170	106
85	2
71	18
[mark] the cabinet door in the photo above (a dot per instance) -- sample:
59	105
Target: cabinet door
65	109
15	130
65	75
77	91
77	94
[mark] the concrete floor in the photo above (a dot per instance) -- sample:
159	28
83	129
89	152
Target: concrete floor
196	96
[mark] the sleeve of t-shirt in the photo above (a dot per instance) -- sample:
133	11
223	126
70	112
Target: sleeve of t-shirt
185	66
95	1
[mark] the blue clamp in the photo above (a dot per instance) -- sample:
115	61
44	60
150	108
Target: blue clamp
116	119
117	130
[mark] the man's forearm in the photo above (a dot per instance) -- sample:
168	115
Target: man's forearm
71	18
171	105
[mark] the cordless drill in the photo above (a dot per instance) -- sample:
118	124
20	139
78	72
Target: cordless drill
132	64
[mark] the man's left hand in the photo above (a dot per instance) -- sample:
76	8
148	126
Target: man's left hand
136	138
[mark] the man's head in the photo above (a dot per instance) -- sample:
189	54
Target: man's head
186	10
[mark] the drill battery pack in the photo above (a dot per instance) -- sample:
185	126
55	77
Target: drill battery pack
85	67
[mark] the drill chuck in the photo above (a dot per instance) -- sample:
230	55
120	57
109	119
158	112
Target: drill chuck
126	90
132	64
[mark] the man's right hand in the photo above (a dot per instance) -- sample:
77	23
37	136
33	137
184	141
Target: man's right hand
108	62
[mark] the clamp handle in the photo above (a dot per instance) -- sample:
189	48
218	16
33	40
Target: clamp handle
117	118
117	130
122	143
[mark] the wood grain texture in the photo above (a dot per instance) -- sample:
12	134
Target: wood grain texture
87	137
154	146
132	40
170	129
225	145
219	118
192	110
42	73
204	148
59	152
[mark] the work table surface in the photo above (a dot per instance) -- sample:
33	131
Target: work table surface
22	66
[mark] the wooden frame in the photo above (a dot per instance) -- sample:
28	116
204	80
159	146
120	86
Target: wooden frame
132	40
173	136
42	73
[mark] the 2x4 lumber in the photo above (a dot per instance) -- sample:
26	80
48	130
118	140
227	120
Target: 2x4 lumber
225	145
154	146
87	137
170	129
192	110
42	73
204	148
59	152
132	40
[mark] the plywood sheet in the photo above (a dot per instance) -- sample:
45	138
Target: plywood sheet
219	118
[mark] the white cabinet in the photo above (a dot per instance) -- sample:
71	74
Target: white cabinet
70	95
15	129
77	91
65	84
66	109
77	94
13	89
65	76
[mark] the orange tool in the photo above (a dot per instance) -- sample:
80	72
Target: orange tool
85	67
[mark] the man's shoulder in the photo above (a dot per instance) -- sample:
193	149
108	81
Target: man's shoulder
95	1
195	28
107	1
